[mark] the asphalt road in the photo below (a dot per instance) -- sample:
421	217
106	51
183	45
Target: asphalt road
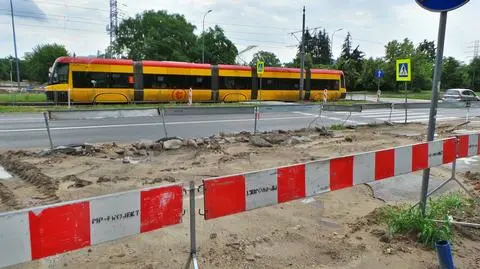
28	130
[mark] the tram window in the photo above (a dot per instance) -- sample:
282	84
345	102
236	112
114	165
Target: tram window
152	81
238	83
280	84
119	80
90	80
322	84
289	84
101	80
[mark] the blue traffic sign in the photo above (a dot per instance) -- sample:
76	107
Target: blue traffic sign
379	74
441	5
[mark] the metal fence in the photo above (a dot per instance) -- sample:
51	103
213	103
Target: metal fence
253	114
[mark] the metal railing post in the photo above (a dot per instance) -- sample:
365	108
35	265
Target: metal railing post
193	236
162	113
45	116
256	113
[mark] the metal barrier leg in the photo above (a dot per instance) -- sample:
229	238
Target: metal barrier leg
162	112
391	111
348	117
48	129
317	118
452	178
192	257
256	114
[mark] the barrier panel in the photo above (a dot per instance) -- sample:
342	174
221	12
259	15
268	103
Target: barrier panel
40	232
102	114
377	106
288	108
238	193
209	110
411	105
342	108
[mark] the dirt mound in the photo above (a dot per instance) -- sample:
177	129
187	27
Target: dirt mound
8	198
31	174
150	181
473	178
77	182
103	179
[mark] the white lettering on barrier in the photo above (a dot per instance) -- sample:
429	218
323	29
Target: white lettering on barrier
317	177
403	160
114	217
472	145
364	168
261	189
14	239
435	153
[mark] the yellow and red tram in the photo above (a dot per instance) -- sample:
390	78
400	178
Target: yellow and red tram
94	80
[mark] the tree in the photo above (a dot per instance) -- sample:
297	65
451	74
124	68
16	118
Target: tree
269	58
41	59
351	62
367	80
428	48
321	51
156	35
346	47
452	76
474	74
218	48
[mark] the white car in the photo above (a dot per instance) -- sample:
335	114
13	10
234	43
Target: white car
460	95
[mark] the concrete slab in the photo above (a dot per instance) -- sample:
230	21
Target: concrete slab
4	174
406	188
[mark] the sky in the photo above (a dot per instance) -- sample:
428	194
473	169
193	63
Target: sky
268	25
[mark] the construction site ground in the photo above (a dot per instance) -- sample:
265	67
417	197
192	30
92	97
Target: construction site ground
332	230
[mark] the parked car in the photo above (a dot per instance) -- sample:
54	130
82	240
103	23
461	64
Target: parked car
460	95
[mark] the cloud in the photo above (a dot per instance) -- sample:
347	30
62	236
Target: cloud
26	9
80	25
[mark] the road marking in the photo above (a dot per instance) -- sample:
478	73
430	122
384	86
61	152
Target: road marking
426	119
149	124
393	115
303	113
329	118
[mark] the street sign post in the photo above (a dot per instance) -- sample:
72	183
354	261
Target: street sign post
404	73
443	7
260	70
379	75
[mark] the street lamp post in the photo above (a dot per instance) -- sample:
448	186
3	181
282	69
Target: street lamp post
203	35
331	40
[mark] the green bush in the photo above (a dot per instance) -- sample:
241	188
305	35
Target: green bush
405	220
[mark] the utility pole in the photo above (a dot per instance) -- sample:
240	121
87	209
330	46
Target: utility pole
15	46
476	51
302	59
113	26
203	35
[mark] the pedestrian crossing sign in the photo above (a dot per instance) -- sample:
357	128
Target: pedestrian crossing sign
404	70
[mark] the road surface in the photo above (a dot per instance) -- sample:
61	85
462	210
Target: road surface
28	130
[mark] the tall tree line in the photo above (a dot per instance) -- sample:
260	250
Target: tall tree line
159	35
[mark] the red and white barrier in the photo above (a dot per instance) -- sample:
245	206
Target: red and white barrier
45	231
468	145
238	193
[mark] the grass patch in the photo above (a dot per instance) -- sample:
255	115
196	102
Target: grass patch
406	221
422	95
23	97
337	127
